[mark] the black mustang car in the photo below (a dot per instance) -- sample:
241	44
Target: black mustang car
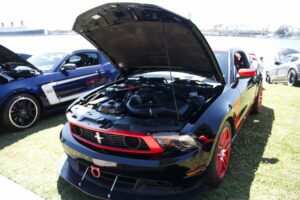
166	126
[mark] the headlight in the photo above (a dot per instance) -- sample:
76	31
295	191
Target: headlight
171	140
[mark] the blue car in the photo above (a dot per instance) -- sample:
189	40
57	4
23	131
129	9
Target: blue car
46	83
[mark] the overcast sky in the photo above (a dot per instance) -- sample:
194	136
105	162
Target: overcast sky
60	14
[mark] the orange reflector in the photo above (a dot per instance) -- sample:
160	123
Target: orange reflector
196	170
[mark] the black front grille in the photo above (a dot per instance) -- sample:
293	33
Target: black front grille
110	140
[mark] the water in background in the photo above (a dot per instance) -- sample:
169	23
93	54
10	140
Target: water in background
265	47
45	43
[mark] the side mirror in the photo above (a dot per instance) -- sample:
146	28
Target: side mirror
67	67
277	63
246	73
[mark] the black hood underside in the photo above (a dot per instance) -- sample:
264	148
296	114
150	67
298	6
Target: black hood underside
7	56
146	37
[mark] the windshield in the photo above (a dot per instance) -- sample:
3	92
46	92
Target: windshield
222	58
47	62
176	76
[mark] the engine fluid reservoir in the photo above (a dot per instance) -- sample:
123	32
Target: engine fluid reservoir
112	107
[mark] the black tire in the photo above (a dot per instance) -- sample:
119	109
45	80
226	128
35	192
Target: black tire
20	112
292	77
211	177
268	78
258	101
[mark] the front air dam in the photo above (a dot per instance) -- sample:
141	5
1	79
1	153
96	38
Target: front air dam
86	184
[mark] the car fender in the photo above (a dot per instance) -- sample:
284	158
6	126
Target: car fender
294	67
212	120
30	91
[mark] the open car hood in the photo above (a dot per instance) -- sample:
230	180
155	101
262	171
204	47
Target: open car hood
142	37
7	56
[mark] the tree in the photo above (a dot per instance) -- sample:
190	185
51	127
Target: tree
283	31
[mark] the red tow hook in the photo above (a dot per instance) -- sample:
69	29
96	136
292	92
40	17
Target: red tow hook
205	139
96	172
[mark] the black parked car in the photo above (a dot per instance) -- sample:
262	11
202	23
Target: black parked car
169	122
285	71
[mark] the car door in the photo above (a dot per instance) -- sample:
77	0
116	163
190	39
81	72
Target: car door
282	69
246	87
272	71
79	73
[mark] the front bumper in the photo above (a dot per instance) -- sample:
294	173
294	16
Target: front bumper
136	177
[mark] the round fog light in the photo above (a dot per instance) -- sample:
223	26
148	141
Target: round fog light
132	143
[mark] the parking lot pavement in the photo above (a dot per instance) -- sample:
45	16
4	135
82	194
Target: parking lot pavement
11	190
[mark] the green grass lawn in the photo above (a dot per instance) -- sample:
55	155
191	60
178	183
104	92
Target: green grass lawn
265	161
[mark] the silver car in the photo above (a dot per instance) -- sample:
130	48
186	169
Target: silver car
285	71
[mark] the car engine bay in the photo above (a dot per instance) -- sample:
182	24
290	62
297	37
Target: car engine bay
144	104
14	71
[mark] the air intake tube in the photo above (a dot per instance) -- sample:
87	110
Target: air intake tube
135	106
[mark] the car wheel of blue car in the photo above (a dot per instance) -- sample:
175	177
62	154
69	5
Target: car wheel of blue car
20	112
219	163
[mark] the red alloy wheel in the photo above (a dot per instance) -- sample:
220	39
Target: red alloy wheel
223	153
259	101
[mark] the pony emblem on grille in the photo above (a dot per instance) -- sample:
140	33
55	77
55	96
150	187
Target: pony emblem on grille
98	137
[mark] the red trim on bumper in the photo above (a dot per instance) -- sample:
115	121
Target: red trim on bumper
154	147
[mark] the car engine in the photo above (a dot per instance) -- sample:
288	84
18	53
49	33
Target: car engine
151	98
145	102
13	71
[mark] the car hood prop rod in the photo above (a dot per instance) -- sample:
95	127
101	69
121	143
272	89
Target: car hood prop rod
169	65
